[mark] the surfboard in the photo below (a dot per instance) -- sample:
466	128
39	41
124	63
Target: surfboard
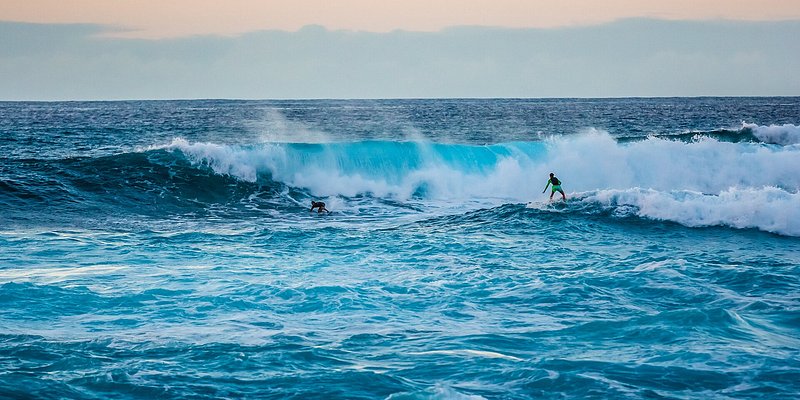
555	204
535	204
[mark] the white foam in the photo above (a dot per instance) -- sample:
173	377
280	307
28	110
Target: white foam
786	134
53	275
769	208
241	162
583	162
595	161
469	353
324	175
699	183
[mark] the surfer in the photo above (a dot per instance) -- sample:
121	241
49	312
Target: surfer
556	187
319	205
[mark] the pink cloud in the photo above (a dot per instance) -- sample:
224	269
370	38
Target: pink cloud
157	19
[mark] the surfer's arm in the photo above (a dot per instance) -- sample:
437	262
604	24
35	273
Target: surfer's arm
546	186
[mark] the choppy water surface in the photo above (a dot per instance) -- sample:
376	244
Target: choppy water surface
165	249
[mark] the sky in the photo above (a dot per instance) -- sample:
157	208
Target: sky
121	49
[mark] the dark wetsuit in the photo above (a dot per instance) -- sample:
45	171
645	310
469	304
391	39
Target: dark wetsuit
320	205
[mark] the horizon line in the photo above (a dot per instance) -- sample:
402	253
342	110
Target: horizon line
394	98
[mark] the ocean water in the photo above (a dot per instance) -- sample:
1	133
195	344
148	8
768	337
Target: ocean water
165	249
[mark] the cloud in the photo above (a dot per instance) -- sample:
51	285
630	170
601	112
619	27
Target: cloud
638	57
176	18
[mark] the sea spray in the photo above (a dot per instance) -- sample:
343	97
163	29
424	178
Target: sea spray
785	134
589	161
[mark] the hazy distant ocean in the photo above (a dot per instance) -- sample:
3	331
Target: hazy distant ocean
165	249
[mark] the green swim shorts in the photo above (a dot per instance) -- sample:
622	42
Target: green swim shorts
556	188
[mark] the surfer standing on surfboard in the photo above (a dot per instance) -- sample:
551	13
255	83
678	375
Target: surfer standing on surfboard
556	187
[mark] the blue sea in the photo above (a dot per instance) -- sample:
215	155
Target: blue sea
165	249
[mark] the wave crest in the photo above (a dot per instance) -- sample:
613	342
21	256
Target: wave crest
378	168
515	171
785	135
768	209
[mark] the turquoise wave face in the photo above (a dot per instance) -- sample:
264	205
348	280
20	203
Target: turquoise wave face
698	182
701	182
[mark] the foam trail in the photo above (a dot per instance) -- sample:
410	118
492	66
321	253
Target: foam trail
769	209
469	353
596	161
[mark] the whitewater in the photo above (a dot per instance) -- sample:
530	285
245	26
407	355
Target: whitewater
166	249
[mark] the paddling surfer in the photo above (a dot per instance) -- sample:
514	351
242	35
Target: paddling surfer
319	205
